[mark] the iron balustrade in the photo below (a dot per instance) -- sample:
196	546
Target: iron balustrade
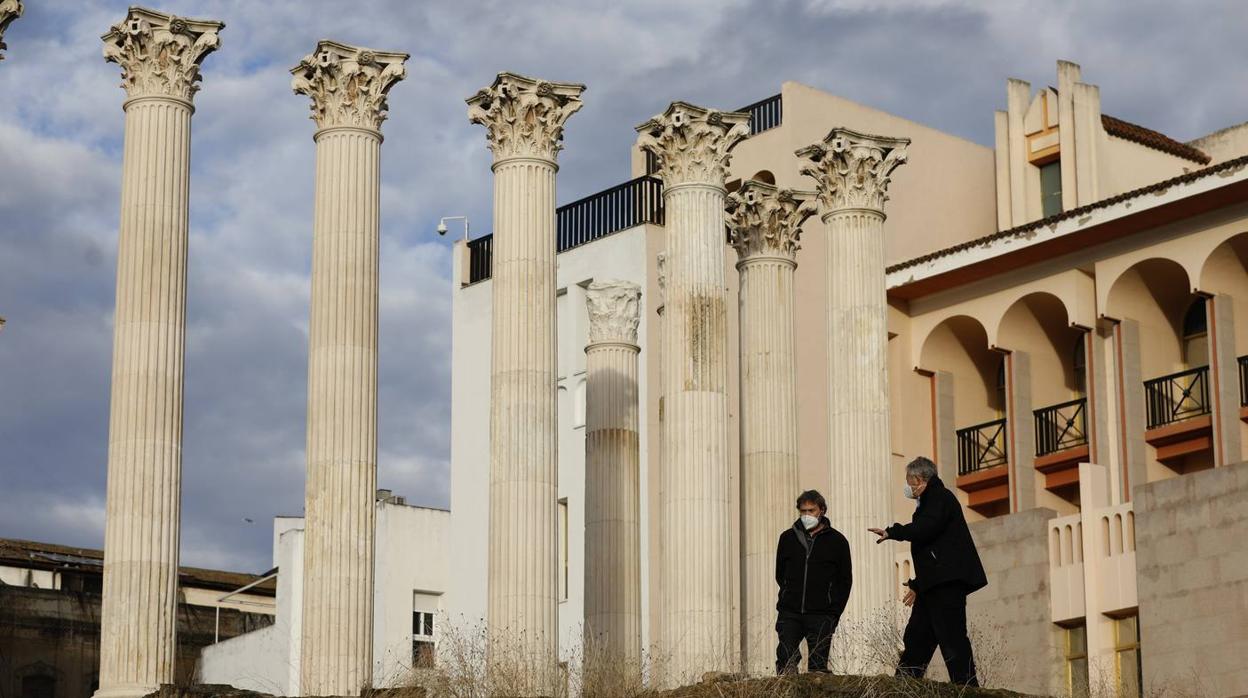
1176	397
1062	426
1243	380
623	206
764	114
981	446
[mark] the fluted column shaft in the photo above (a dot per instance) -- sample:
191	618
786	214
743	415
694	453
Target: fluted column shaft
141	532
612	479
348	87
342	415
858	436
523	550
769	465
159	55
697	554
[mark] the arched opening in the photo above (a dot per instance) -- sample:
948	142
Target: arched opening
976	431
1174	364
1056	375
764	176
1224	275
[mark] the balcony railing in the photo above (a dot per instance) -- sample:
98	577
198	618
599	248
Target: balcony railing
1059	427
623	206
765	114
981	446
1177	396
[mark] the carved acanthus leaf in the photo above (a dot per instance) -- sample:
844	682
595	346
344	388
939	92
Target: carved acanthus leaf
348	84
661	268
159	54
766	221
693	144
853	170
9	11
614	311
524	117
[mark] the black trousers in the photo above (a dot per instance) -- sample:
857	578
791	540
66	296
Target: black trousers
815	629
938	618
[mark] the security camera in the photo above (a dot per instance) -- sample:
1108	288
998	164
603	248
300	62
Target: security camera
441	228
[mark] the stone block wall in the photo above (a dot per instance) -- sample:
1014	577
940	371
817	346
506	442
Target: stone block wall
1192	567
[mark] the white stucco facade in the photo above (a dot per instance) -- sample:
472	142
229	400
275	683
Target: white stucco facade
621	256
411	563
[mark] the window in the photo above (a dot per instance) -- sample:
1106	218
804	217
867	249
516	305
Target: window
424	639
1051	189
1196	335
563	549
1127	667
1077	661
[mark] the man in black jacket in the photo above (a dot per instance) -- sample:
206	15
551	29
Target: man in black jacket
946	570
814	573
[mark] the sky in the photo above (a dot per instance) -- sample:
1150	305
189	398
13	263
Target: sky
1175	67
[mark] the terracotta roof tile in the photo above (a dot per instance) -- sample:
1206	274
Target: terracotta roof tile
1151	139
1074	212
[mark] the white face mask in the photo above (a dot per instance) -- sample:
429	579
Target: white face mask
809	521
909	492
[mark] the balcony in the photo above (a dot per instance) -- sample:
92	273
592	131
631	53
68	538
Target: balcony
982	470
1061	444
633	203
765	114
1101	541
1178	410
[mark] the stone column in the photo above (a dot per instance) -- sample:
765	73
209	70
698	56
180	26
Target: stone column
524	120
159	57
612	478
9	11
692	146
764	225
348	87
852	171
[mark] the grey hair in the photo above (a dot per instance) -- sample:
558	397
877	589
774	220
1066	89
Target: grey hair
922	468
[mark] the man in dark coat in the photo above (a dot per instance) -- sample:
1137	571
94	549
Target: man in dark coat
946	570
814	573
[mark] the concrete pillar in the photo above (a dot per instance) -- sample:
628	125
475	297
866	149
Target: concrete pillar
1088	135
524	120
1018	99
1132	450
1224	379
764	225
1067	75
1001	160
9	11
612	477
692	146
348	87
853	173
945	440
1021	432
159	57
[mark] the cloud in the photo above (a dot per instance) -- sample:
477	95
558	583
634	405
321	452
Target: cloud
939	62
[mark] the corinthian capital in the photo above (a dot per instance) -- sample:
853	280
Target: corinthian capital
159	54
853	169
348	84
765	221
692	144
524	117
614	311
9	11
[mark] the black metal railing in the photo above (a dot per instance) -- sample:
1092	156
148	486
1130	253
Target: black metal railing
1059	427
623	206
480	258
1176	397
1243	380
981	446
765	114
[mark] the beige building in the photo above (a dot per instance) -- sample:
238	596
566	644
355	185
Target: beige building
1066	316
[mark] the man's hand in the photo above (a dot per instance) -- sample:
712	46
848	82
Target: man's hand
908	599
883	535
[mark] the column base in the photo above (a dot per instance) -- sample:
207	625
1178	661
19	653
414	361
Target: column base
126	691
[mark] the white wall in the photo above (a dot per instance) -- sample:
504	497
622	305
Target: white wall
621	255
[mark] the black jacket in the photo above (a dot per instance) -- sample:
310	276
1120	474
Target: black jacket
940	542
814	572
